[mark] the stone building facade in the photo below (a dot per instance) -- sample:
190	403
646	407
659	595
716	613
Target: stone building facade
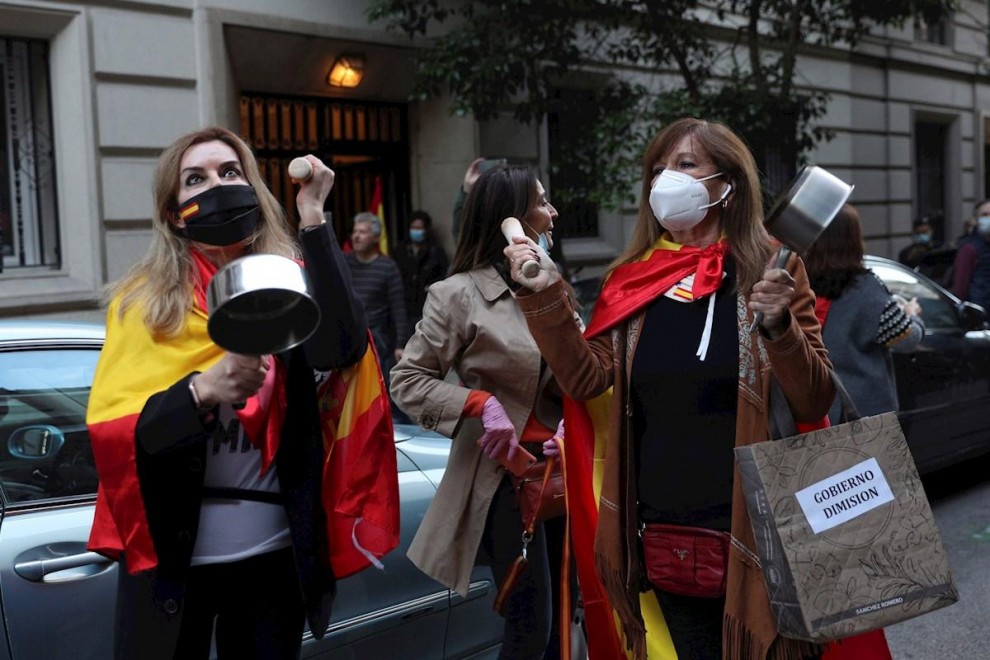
92	91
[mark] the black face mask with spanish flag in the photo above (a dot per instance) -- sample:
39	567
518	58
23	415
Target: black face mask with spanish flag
222	215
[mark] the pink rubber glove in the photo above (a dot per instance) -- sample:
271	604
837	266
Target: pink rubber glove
499	435
550	447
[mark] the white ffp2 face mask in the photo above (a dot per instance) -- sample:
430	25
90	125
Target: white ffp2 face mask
679	201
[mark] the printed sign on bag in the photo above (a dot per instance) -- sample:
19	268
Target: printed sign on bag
844	496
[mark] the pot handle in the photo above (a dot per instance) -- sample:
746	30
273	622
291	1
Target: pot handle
782	257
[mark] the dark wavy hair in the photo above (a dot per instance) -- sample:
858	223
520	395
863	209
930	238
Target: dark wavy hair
503	191
836	258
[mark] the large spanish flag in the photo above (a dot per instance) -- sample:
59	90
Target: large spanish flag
586	424
360	483
134	365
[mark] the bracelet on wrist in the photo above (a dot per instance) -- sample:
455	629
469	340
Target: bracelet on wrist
197	402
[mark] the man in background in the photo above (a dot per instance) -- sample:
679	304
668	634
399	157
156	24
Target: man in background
922	243
378	286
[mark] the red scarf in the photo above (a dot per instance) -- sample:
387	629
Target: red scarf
632	286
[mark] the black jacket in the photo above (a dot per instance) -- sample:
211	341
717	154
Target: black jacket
419	270
171	455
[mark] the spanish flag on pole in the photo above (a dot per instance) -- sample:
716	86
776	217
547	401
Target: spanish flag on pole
378	208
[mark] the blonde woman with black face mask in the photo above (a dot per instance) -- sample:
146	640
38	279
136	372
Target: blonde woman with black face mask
218	514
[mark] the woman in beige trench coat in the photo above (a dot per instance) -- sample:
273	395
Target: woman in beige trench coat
473	373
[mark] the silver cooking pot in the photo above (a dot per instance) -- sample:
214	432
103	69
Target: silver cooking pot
261	304
801	214
811	202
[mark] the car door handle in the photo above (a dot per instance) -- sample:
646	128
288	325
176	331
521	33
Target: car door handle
37	570
421	612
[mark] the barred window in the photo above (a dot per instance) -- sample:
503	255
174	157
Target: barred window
932	33
28	209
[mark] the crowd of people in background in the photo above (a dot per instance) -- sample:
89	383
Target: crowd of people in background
960	265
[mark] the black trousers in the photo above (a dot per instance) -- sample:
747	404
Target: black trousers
695	624
256	605
528	609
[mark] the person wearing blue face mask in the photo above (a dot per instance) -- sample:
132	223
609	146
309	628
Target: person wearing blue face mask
422	261
971	278
922	243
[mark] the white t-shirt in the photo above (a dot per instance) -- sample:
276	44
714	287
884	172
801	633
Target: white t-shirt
234	529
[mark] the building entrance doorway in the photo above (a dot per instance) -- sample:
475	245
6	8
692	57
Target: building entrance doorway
362	141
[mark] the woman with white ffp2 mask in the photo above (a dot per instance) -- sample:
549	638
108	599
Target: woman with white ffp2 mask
669	342
680	201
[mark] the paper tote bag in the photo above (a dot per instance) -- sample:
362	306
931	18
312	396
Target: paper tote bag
845	535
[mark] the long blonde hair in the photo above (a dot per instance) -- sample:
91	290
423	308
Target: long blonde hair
742	216
161	282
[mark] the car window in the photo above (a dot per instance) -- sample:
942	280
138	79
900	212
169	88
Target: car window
44	444
937	311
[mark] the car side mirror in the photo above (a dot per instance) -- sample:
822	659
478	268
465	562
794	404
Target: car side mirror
972	316
36	442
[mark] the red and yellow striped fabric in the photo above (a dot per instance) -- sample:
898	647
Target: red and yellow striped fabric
583	460
360	473
134	365
360	482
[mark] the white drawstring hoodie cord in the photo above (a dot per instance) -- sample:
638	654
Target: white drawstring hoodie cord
706	334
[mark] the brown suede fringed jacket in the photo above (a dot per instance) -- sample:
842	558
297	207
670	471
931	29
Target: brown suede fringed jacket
585	369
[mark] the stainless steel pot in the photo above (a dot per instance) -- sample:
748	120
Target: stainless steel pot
811	202
261	304
801	214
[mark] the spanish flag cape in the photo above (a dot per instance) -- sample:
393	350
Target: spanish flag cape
360	481
627	291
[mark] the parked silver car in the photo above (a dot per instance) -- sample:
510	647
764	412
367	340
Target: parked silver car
57	599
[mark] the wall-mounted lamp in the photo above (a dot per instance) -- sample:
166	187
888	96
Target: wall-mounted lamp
347	71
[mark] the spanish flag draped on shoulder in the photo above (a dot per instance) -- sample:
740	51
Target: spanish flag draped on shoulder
361	501
360	483
586	424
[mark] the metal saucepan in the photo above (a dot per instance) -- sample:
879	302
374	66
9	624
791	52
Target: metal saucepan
811	202
803	211
261	304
